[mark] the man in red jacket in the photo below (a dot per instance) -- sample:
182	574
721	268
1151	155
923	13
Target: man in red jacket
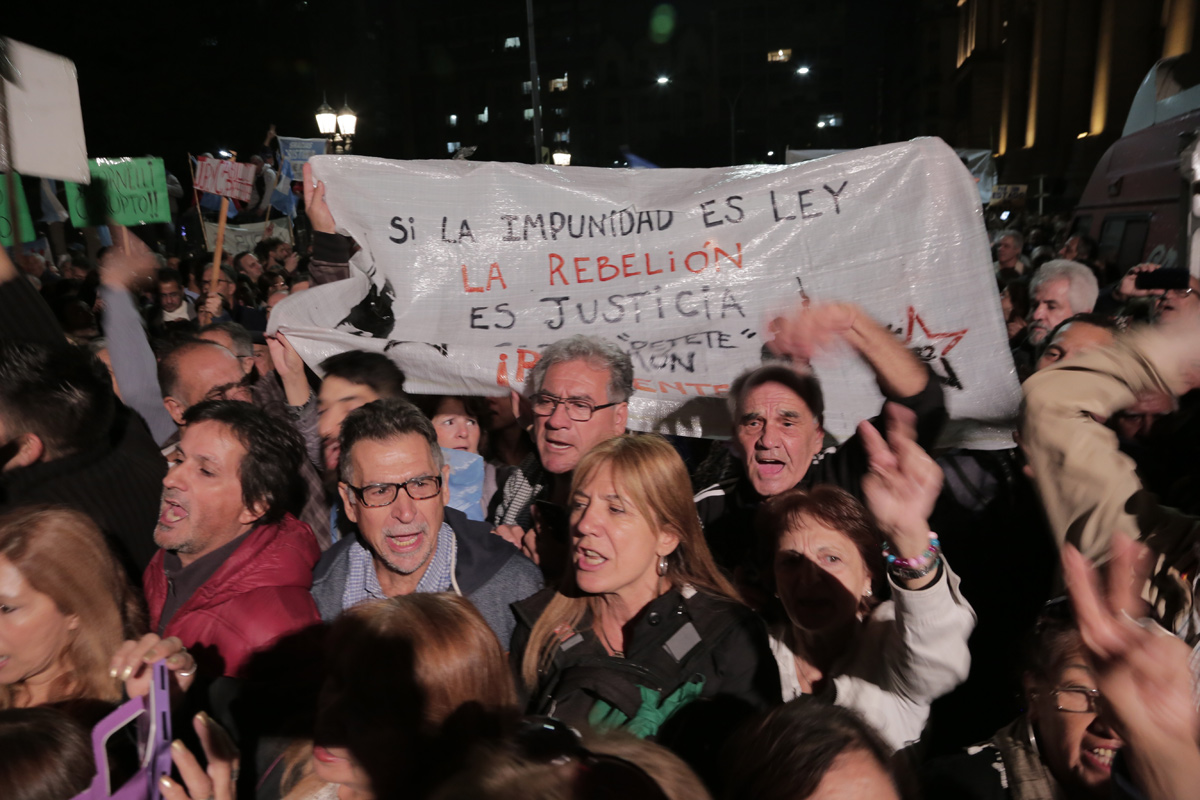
234	570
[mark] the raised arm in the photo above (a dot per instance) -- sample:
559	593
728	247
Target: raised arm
124	265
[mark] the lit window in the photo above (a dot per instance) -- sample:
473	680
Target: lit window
482	118
453	147
779	55
452	119
512	42
562	136
558	84
529	113
527	87
829	121
560	112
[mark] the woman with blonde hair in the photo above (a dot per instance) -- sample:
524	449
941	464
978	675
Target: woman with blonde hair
66	611
643	624
402	672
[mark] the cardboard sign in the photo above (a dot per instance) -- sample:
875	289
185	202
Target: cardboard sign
44	116
467	270
6	223
225	178
130	191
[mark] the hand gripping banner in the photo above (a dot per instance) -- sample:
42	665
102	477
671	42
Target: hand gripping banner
468	269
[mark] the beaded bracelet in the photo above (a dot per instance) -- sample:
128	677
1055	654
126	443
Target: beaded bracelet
910	569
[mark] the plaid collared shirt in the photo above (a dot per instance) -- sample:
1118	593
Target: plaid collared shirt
362	583
528	482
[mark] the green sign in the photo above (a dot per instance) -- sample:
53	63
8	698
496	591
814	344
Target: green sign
6	223
128	191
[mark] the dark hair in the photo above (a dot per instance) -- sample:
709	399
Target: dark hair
802	382
60	393
1087	318
242	342
382	420
785	754
168	275
47	755
474	406
830	506
364	368
1085	249
237	260
270	471
1018	295
1054	638
263	249
168	363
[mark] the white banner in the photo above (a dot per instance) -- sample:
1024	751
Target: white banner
467	269
244	237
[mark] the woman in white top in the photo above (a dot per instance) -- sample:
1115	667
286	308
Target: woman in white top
887	660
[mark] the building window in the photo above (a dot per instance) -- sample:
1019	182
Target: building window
452	120
560	112
558	84
527	87
779	55
529	113
829	120
482	118
453	147
563	136
512	42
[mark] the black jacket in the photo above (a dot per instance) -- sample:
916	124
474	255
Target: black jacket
672	640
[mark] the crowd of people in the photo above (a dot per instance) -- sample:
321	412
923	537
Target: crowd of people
342	614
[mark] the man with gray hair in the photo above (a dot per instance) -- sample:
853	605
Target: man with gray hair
1060	289
578	393
395	486
1009	262
777	412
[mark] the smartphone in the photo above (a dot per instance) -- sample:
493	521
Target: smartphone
1166	278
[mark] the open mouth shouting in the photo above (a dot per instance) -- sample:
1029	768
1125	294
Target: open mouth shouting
171	513
589	560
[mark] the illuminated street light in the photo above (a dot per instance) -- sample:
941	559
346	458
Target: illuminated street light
663	80
802	71
563	159
770	153
326	119
821	124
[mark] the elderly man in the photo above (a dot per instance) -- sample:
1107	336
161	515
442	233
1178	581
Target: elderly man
1009	262
1060	289
235	568
578	393
777	413
394	484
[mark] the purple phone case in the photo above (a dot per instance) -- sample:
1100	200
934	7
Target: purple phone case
155	743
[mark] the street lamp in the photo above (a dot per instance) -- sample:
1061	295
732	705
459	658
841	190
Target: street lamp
663	80
347	120
326	119
562	158
802	71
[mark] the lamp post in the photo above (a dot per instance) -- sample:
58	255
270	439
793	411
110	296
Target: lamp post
338	127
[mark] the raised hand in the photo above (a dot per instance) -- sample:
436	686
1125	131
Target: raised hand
903	483
319	215
219	780
810	329
129	262
290	368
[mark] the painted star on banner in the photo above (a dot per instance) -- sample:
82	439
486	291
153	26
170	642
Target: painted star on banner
914	320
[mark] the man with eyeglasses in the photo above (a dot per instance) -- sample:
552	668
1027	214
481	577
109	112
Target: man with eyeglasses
394	486
578	393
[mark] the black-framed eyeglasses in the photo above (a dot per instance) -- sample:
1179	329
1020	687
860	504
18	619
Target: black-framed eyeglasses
1175	294
549	741
544	405
1076	700
378	495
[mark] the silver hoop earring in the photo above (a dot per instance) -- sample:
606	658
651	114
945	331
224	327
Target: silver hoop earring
663	565
1033	743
